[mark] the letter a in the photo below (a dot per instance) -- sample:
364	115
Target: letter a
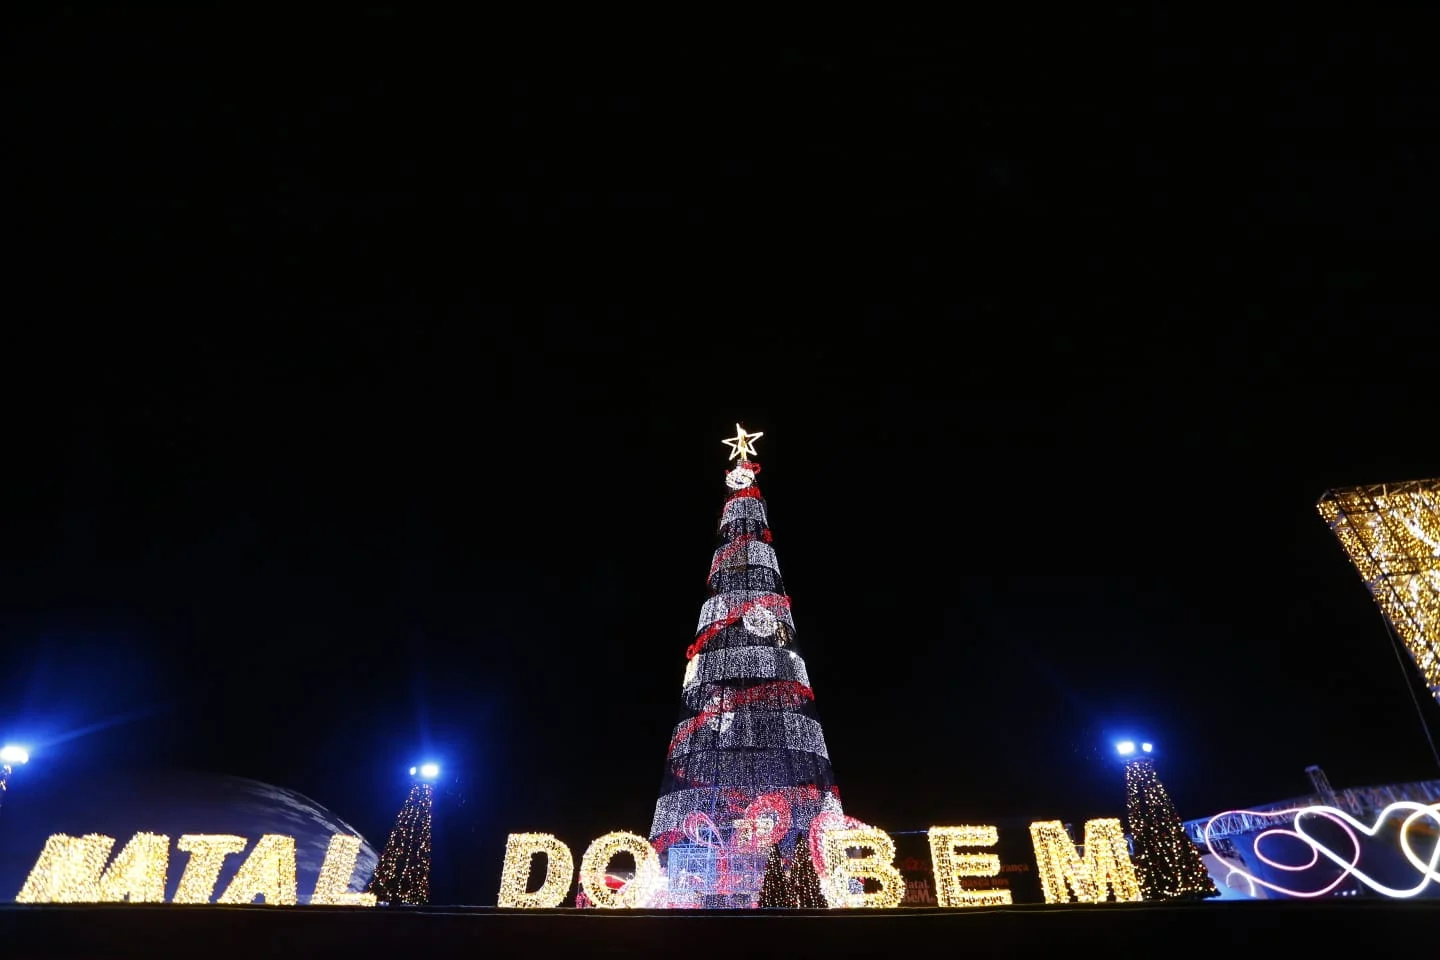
268	872
207	855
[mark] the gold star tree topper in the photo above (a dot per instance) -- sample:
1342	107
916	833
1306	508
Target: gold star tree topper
742	444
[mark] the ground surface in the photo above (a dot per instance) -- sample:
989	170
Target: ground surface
1381	928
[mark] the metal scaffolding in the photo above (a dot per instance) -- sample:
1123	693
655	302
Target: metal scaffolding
1360	802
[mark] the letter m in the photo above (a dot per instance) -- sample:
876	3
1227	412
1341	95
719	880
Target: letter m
1103	871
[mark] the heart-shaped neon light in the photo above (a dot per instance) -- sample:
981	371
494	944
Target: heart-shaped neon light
1349	867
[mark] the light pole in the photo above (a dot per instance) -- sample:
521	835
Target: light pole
10	757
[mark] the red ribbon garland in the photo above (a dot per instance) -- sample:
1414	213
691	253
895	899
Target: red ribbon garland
781	694
772	601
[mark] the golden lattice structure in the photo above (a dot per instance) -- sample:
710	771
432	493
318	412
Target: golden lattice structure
1391	532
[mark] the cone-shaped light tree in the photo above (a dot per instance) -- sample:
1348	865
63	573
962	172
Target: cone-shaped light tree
775	888
403	874
1166	861
805	886
747	767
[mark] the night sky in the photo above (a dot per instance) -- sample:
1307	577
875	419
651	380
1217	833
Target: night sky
366	375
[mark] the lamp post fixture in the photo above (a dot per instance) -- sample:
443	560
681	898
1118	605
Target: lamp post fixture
10	757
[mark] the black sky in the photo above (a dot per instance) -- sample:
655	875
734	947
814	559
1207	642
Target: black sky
366	379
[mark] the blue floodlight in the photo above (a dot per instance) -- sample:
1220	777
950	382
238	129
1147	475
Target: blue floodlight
1147	747
1125	747
14	755
429	770
413	771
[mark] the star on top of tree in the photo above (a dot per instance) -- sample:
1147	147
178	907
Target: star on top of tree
742	444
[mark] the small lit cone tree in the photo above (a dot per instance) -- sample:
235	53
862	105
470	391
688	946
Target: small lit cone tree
747	766
775	891
403	874
1167	863
805	889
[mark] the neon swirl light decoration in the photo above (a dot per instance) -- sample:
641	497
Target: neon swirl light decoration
1349	866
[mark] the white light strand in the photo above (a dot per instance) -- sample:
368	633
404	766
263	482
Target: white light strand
731	604
758	765
752	553
749	663
744	508
756	729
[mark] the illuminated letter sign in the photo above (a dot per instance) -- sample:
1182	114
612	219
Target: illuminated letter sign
268	873
73	870
842	869
951	865
520	850
597	859
1104	869
207	855
332	886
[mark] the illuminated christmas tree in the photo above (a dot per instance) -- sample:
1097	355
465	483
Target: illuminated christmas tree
805	882
1166	861
775	888
403	874
747	768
